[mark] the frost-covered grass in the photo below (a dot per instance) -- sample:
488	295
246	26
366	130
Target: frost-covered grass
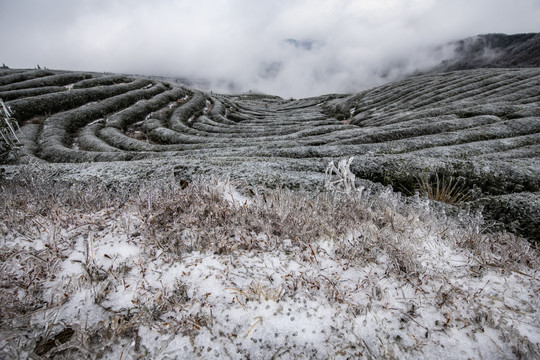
8	131
219	269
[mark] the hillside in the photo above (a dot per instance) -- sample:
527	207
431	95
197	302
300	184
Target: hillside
480	126
143	219
494	51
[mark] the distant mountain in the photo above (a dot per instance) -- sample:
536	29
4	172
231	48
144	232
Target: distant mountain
494	51
301	44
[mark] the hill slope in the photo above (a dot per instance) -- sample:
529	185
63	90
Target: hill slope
481	126
495	51
112	246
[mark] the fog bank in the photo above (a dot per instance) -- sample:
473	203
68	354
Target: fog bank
289	48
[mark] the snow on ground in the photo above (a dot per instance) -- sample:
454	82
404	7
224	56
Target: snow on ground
398	284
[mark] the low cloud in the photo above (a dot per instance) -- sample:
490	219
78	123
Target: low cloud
292	48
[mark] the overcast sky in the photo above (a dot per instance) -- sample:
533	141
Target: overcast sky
291	48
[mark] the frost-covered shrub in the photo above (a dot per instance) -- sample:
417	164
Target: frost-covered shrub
340	177
22	93
59	80
8	127
50	103
22	76
139	110
186	113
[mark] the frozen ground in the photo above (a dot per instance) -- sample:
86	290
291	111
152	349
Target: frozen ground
219	269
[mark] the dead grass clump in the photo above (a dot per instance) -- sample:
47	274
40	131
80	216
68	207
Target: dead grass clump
256	292
35	214
449	190
21	287
199	218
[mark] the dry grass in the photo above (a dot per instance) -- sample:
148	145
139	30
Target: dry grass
257	292
449	190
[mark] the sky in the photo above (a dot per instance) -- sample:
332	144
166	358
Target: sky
290	48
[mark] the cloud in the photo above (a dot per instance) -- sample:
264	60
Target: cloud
287	47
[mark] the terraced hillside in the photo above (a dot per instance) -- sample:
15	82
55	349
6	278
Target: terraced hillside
477	131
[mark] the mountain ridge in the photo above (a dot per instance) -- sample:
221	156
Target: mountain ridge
495	50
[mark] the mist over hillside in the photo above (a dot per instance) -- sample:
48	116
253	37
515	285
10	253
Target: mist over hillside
480	51
293	49
494	51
